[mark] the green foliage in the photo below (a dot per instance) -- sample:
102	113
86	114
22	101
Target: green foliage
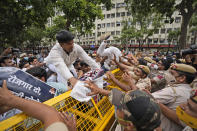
186	8
144	22
34	35
58	24
17	15
173	35
81	14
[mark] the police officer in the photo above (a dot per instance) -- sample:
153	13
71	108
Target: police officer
177	93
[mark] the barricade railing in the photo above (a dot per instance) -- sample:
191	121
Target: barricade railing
118	75
90	116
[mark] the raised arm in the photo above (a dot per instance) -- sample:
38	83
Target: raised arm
46	114
169	113
87	59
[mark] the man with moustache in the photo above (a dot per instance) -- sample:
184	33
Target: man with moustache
64	54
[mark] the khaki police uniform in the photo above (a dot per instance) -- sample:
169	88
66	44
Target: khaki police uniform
173	95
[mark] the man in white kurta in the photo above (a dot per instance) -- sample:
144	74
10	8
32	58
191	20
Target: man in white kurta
64	54
109	52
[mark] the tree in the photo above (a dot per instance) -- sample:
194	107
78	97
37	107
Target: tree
33	36
81	14
141	25
186	9
173	35
17	15
58	24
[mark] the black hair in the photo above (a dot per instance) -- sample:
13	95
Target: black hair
82	64
31	59
166	63
189	77
22	63
142	61
64	36
37	72
3	58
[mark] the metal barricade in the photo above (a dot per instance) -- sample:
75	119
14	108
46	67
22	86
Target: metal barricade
90	116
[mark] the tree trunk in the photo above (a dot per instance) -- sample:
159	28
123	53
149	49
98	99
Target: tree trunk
183	37
68	23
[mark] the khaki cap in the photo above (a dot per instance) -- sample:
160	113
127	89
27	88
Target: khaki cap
184	68
144	68
149	60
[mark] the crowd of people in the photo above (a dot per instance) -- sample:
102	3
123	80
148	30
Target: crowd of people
158	92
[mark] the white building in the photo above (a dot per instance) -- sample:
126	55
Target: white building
112	22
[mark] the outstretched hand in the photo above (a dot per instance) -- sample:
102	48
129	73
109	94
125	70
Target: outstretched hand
70	121
94	88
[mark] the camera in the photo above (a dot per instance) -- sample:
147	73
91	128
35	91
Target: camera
191	50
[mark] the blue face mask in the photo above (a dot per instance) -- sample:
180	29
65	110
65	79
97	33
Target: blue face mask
26	58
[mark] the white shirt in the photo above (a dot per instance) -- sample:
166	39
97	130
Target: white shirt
109	52
64	62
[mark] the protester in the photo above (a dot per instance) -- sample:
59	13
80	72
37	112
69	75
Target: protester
42	75
5	61
52	119
64	54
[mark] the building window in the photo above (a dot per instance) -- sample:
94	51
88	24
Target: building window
103	7
169	29
150	41
113	24
103	33
93	34
119	5
104	16
113	33
155	40
112	41
132	41
117	14
162	40
103	25
99	33
122	13
113	15
108	15
156	31
108	24
98	26
117	32
128	13
178	19
118	24
176	29
163	31
113	6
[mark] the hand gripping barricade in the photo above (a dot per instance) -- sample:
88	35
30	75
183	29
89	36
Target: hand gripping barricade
89	115
118	75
